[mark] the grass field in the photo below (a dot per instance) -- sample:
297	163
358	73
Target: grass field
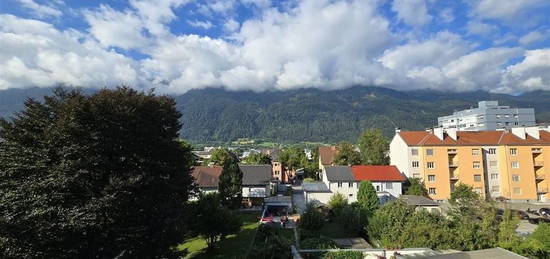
234	246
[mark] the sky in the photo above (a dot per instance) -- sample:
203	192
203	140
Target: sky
173	46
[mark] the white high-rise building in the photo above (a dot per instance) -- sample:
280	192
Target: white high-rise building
488	116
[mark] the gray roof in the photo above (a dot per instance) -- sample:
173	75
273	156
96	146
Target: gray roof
339	174
256	174
315	187
492	253
415	200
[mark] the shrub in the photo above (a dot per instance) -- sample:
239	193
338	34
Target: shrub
312	219
318	243
344	255
337	203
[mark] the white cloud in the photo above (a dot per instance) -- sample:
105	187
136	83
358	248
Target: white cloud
412	12
533	37
36	54
39	10
498	9
201	24
480	28
530	74
446	15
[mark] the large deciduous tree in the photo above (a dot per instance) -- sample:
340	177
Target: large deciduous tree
257	159
99	176
416	187
374	147
230	184
347	155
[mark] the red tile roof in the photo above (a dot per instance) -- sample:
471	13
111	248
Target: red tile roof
465	138
207	176
377	173
327	154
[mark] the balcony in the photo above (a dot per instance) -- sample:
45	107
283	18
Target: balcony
538	163
451	151
542	190
453	164
454	177
536	150
540	177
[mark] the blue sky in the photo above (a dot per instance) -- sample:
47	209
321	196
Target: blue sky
178	45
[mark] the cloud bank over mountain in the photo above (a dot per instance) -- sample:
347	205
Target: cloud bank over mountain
178	45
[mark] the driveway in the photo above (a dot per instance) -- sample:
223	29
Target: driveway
298	200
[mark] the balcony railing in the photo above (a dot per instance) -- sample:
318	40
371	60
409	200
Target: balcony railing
454	177
540	177
536	150
538	163
453	164
542	190
451	151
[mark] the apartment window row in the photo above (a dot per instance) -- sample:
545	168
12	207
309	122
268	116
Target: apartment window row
431	178
350	184
475	152
492	151
513	151
477	178
415	164
432	191
515	178
476	165
515	164
430	165
494	176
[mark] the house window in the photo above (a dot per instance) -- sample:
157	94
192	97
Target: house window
494	176
517	191
515	164
495	188
415	164
431	178
475	152
389	185
429	152
515	178
477	190
477	178
492	151
377	188
350	195
431	191
430	165
414	151
276	172
339	184
416	175
492	163
350	184
476	165
513	151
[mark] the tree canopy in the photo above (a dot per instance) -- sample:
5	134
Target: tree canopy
374	147
347	155
367	197
257	159
415	187
230	184
219	156
99	176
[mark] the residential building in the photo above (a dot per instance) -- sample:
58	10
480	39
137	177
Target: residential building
421	203
512	164
256	182
326	155
346	179
488	116
279	172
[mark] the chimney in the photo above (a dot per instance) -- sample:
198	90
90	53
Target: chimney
533	132
519	132
438	132
451	133
397	130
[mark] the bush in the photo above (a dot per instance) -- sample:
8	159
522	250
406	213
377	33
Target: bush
318	243
352	219
269	243
344	255
337	203
312	219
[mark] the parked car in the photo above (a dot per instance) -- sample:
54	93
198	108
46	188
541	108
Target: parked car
521	214
545	212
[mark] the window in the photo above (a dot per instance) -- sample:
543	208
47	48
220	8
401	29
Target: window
389	185
494	176
493	163
414	152
476	165
477	178
429	152
498	116
416	175
492	151
339	184
513	151
517	191
475	152
516	123
495	188
431	178
431	191
350	184
350	195
477	190
515	178
415	164
377	188
430	165
515	164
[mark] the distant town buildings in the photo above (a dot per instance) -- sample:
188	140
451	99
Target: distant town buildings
488	116
513	164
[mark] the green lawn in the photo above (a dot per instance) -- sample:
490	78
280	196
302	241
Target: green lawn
234	246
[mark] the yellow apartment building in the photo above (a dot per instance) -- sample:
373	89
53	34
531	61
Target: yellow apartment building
512	164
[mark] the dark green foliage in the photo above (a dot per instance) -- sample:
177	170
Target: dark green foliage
387	224
344	255
98	176
465	202
213	221
352	219
347	155
367	198
230	184
337	203
219	156
318	243
537	245
415	186
374	147
269	243
257	159
312	219
293	158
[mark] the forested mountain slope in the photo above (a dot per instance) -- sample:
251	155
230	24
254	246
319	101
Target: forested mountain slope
310	114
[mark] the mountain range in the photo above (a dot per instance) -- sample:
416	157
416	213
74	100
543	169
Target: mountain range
218	115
